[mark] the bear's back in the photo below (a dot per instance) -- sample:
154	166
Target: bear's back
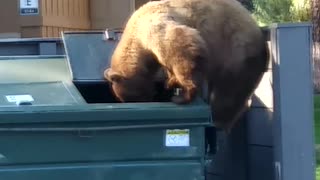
225	25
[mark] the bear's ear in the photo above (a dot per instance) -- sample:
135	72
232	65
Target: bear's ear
112	76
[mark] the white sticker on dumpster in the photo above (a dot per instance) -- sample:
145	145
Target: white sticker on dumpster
20	98
177	137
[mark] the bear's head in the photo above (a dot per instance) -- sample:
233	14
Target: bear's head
134	73
131	89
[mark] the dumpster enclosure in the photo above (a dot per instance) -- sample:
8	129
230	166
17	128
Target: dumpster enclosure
59	119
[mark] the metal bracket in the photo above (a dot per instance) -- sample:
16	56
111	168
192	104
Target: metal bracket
113	34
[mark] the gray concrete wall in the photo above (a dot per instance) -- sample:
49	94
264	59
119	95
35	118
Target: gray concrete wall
276	139
293	122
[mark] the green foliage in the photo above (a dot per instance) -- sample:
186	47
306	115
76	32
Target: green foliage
247	4
301	10
280	11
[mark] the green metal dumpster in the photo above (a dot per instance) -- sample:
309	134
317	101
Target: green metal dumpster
59	120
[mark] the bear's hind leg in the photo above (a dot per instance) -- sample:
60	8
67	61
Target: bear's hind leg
227	108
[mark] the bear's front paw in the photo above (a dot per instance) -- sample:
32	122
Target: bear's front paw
179	100
182	97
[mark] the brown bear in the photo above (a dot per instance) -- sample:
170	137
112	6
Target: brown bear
215	42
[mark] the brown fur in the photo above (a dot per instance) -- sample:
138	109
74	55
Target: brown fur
216	41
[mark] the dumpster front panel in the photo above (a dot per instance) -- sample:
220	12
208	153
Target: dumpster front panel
19	148
102	132
153	170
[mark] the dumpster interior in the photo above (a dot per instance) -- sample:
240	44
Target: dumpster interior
87	55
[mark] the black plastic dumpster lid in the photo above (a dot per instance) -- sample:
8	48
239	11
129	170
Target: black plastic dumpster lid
88	53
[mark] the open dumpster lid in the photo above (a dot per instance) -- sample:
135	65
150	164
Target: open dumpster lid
88	53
